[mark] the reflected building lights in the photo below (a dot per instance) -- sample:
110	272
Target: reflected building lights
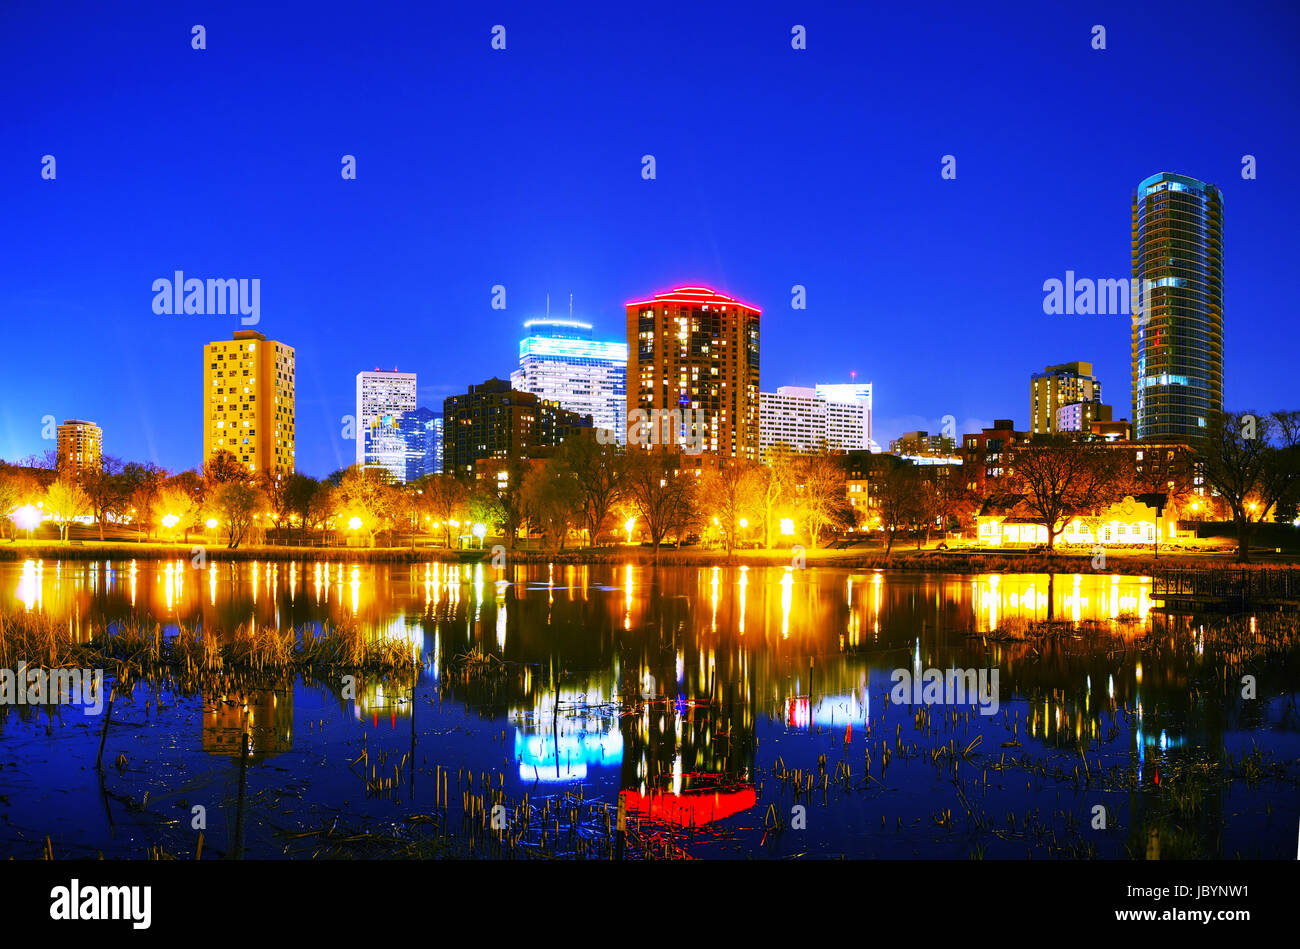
744	584
787	597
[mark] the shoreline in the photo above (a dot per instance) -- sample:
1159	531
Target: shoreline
977	560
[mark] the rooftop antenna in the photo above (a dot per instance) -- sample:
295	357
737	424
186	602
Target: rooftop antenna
570	306
548	306
853	374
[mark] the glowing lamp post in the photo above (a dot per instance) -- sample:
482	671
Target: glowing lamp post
787	527
170	520
27	518
628	526
480	530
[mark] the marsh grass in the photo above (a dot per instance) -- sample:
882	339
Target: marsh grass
193	656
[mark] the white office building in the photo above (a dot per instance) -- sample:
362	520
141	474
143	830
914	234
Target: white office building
560	362
382	397
849	426
806	419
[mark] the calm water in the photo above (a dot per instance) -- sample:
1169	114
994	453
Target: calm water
697	692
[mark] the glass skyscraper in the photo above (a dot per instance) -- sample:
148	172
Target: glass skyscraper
1177	352
560	362
420	431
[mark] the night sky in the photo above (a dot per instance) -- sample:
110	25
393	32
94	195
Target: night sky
522	167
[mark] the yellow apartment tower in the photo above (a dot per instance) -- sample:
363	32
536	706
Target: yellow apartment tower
248	401
80	447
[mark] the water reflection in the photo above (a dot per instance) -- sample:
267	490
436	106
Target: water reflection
661	684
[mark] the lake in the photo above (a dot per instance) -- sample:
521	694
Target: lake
735	713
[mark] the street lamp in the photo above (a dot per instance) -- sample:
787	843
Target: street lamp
628	525
27	518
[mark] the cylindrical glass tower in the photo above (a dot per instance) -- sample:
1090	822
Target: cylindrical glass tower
1177	352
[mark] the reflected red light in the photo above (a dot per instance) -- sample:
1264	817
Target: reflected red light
691	807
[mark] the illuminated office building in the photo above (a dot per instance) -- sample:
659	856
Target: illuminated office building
803	421
382	397
559	362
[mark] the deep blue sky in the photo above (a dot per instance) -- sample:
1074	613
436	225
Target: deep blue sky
522	168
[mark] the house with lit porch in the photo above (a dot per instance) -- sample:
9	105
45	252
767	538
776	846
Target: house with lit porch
1009	520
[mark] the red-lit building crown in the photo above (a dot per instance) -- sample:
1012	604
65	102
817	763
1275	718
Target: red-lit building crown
694	295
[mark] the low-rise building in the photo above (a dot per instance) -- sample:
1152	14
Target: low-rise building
1009	520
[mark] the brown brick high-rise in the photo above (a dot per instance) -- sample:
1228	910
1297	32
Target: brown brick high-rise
696	350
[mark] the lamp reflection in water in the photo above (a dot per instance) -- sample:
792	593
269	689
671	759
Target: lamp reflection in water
787	595
744	583
501	615
29	584
714	586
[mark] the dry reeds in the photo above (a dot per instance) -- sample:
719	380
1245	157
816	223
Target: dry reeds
137	650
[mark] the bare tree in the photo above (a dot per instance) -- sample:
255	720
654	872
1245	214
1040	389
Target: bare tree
1251	461
663	497
822	498
236	502
599	472
103	489
731	491
445	498
1061	478
552	500
894	492
775	485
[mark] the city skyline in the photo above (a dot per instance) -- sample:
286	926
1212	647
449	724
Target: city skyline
416	243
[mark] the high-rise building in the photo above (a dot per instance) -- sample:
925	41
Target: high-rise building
695	351
420	431
494	421
1056	386
848	426
248	403
80	447
560	362
1177	352
1079	416
802	420
382	396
